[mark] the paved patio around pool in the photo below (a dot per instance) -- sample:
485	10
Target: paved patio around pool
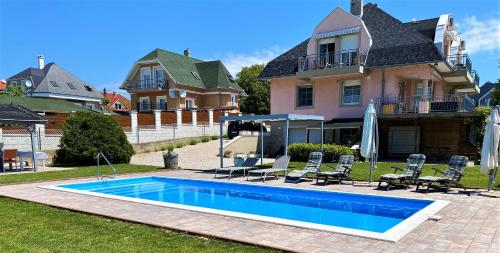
467	224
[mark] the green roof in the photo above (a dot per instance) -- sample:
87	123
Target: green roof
194	72
42	104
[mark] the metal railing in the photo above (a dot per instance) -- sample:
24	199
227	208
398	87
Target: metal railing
421	104
99	177
332	60
475	77
148	106
460	62
144	84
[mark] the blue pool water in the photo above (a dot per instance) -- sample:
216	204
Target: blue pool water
356	211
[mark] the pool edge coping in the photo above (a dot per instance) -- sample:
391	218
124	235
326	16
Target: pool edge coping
394	234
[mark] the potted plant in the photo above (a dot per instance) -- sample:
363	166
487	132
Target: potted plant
170	158
238	159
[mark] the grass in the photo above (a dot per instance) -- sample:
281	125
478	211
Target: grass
29	227
473	177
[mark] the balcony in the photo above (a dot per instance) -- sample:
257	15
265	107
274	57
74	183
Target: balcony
419	104
146	84
331	64
148	106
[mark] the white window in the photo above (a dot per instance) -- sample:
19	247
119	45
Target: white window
351	92
233	100
158	75
189	103
349	49
146	80
161	103
304	95
144	104
118	105
420	89
90	106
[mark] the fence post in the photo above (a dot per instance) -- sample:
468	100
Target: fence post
194	117
157	114
133	125
178	117
225	121
211	117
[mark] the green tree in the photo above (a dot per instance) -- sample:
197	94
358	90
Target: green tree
258	91
15	91
496	94
105	102
85	134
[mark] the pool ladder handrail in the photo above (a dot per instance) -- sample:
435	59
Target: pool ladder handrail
105	159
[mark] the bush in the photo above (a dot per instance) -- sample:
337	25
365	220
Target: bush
332	152
85	134
179	145
205	139
170	147
193	142
214	137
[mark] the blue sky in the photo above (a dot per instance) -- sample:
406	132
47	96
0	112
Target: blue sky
99	40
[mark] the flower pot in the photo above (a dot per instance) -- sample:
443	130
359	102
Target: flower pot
170	160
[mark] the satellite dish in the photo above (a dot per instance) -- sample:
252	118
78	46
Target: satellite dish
28	84
182	93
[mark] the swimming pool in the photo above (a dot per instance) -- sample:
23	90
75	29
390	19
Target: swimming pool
380	217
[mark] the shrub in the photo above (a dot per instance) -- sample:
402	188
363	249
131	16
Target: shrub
179	145
332	152
193	142
85	134
170	147
214	137
205	139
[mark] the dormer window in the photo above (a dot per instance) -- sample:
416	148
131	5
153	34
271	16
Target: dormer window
88	88
231	78
71	86
196	75
53	83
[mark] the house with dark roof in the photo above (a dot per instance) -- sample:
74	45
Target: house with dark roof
164	80
485	96
52	81
417	73
117	102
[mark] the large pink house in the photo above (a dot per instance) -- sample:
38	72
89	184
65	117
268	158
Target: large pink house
417	73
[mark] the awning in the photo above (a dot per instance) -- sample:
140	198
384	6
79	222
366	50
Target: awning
338	32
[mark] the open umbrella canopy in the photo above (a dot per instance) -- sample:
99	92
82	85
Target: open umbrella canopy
368	145
489	152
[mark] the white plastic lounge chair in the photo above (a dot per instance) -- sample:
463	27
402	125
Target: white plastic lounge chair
340	172
313	165
411	172
247	165
280	165
451	176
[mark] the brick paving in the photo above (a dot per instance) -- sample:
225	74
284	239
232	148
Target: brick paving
468	224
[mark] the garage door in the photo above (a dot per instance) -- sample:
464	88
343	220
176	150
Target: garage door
403	140
297	135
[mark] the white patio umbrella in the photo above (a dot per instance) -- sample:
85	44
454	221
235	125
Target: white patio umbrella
489	152
369	141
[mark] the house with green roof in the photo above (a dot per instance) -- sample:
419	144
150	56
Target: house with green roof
164	80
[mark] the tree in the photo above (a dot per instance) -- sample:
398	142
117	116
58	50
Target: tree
85	134
258	91
496	94
15	91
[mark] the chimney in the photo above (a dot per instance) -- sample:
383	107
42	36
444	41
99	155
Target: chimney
357	7
187	53
41	61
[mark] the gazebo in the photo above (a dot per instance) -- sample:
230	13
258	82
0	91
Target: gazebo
18	116
287	118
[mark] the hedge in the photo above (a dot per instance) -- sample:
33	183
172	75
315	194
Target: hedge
300	151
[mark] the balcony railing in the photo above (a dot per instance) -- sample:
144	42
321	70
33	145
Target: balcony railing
332	60
420	104
460	62
145	84
148	106
475	77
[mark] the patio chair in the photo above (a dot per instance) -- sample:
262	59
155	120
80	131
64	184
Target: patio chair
313	166
409	174
10	157
248	164
340	172
450	177
280	165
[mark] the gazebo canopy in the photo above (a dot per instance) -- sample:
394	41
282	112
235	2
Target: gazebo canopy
18	115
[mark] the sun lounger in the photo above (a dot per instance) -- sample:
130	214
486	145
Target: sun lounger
340	172
280	165
450	177
313	165
409	174
247	165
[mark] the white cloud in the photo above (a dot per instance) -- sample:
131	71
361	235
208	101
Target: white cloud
234	62
480	35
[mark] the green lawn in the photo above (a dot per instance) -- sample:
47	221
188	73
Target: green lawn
473	178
